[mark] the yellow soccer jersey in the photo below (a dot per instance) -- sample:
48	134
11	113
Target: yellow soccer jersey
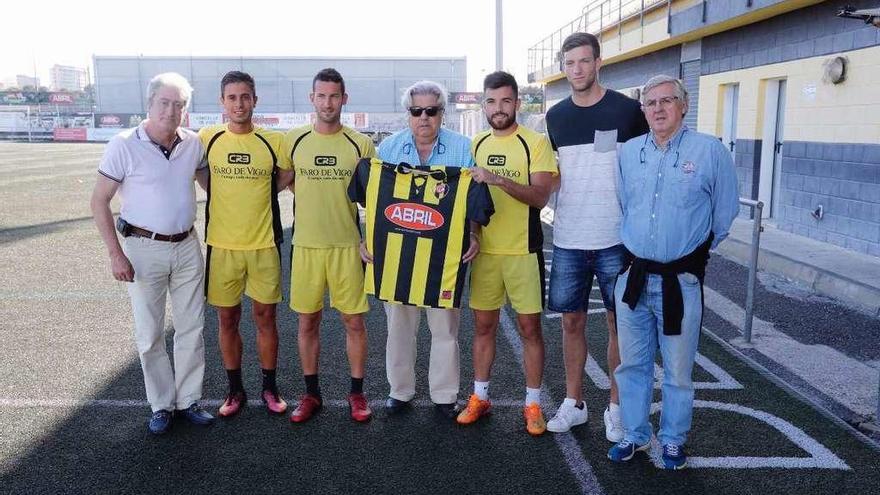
516	226
242	210
323	164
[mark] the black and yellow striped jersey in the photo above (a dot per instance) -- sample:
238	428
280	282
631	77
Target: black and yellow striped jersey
417	227
242	211
323	165
516	226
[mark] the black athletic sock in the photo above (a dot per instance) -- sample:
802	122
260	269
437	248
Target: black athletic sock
235	384
357	385
312	387
269	381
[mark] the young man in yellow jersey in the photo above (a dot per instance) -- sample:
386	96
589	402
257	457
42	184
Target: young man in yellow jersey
326	236
243	233
520	169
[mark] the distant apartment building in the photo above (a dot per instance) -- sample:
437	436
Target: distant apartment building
21	81
67	78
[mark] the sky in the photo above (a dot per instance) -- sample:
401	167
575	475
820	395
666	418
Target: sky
70	33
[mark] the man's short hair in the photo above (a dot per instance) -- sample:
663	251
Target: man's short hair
575	40
237	76
329	75
657	80
170	80
500	79
425	88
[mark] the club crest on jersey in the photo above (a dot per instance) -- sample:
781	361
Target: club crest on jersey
441	190
414	216
325	161
446	295
242	158
496	160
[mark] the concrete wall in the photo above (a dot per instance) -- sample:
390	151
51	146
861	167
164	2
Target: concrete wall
831	136
804	33
845	180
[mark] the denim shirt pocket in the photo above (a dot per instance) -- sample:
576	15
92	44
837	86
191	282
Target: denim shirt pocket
686	189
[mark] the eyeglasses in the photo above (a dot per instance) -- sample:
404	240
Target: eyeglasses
431	111
663	102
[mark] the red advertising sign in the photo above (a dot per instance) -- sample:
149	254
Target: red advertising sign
466	98
70	134
61	99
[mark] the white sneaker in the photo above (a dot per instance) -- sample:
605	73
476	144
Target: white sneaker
567	416
613	424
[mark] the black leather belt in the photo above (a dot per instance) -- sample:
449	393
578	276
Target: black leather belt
139	232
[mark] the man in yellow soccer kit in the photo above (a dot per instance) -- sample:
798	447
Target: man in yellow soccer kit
520	169
326	236
243	233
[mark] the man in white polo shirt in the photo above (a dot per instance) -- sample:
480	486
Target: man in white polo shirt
153	167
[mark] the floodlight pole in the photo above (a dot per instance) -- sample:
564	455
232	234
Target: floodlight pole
499	38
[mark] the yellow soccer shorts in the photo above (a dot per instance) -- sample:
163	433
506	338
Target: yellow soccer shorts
315	270
231	272
520	277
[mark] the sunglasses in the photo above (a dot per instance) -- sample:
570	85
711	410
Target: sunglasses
436	174
431	111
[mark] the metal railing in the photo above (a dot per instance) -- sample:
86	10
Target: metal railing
596	17
757	211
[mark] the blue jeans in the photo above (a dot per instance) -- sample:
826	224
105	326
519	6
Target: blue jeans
639	332
571	277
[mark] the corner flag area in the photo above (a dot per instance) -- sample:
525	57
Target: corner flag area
73	411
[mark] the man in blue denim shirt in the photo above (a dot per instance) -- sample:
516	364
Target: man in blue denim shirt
679	196
425	142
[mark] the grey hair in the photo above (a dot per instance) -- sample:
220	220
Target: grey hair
425	88
655	81
171	80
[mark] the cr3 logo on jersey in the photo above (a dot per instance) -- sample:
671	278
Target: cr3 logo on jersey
496	160
242	158
325	161
414	216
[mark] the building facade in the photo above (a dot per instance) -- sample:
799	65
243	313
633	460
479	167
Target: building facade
67	78
788	86
374	85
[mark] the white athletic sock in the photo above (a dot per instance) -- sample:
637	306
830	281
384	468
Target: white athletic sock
569	402
614	408
533	395
482	390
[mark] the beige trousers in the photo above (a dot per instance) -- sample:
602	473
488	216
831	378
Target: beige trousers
161	268
400	352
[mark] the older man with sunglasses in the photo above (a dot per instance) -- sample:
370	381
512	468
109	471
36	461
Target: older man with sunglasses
425	142
679	197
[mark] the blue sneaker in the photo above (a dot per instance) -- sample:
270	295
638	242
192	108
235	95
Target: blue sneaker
196	415
160	422
625	450
674	457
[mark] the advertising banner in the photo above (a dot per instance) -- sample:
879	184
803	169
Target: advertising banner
101	135
13	122
199	120
276	121
69	134
465	98
118	120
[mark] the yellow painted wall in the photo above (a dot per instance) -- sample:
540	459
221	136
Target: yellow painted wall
848	112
